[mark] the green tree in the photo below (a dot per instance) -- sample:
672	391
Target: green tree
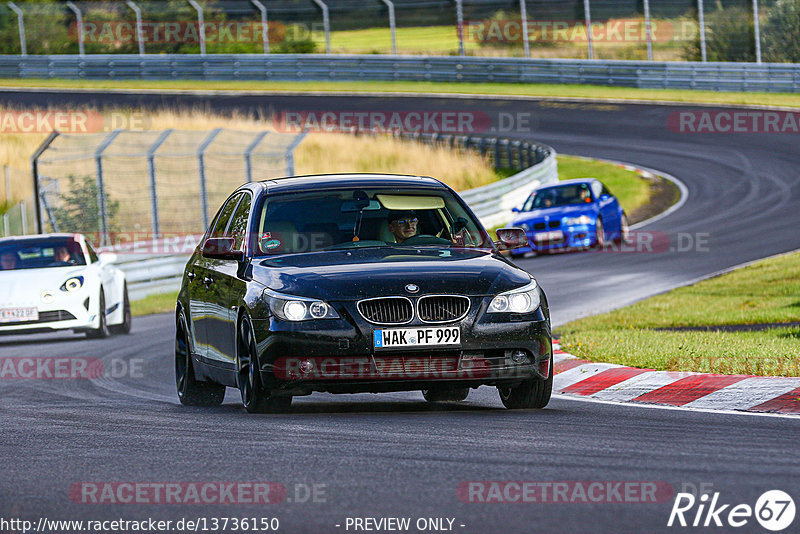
730	36
781	33
78	210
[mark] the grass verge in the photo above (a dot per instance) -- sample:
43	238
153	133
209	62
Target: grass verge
162	303
765	292
597	92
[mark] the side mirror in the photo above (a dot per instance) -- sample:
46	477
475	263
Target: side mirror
511	238
604	197
221	248
107	258
515	210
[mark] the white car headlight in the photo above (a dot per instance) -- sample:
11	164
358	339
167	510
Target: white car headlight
291	308
523	300
572	221
72	284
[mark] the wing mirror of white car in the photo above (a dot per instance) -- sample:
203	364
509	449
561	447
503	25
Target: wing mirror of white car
107	258
511	238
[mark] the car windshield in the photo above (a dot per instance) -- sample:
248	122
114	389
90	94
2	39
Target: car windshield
564	195
40	253
355	218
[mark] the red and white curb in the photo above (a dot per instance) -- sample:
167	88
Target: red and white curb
618	383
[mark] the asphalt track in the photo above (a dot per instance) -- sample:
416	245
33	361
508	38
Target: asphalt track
393	455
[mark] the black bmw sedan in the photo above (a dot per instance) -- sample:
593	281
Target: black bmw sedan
357	283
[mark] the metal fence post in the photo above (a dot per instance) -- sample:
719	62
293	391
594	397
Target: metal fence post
647	30
79	16
201	26
460	26
290	153
392	24
264	25
587	12
702	23
139	32
248	167
8	200
523	11
151	174
101	188
326	24
757	29
23	48
35	176
201	163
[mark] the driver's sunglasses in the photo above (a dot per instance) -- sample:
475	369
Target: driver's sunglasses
408	222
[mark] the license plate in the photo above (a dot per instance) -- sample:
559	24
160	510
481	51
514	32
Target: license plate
417	337
17	315
555	235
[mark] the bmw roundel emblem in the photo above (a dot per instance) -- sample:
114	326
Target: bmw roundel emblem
412	288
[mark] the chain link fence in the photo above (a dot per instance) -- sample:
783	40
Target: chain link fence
16	217
659	30
150	182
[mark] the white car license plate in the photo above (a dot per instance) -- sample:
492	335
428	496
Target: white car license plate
18	315
417	337
555	235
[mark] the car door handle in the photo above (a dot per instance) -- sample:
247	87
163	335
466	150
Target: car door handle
208	281
191	276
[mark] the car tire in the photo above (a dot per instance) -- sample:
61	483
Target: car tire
127	317
445	394
624	230
192	392
102	330
533	393
600	235
255	398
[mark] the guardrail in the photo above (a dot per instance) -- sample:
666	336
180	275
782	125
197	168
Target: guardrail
150	272
771	77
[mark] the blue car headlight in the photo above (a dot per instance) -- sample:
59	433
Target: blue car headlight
292	308
523	300
72	284
574	221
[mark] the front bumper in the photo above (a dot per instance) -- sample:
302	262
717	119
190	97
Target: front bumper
574	237
66	312
337	355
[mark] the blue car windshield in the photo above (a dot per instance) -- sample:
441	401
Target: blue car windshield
564	195
317	221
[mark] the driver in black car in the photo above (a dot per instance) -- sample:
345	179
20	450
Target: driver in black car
403	224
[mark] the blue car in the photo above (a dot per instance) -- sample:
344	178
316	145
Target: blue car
573	214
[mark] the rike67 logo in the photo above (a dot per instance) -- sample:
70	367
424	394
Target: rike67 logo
774	510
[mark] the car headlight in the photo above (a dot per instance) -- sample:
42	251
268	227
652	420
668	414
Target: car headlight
523	300
292	308
72	284
572	221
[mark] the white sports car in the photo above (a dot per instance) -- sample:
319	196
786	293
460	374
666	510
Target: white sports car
58	282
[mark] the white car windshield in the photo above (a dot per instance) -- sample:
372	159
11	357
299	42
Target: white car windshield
40	253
